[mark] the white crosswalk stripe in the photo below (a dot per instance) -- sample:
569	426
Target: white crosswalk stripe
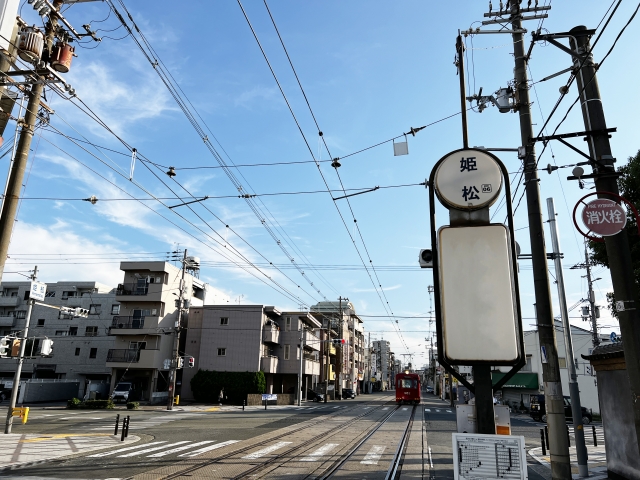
437	410
385	408
319	453
267	450
113	452
448	411
209	448
179	449
427	409
152	449
372	457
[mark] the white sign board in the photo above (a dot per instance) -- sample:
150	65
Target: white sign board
269	396
479	314
8	13
468	180
38	291
477	456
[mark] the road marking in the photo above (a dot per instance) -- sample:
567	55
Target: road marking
337	406
405	408
437	409
427	409
266	451
448	411
385	408
210	447
323	450
374	455
104	454
430	459
152	449
366	408
179	449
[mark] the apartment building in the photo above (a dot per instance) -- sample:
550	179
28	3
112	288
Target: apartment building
80	345
383	364
250	338
143	331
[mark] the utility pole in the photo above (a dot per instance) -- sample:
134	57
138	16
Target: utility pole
14	185
301	363
618	251
23	345
176	339
592	301
340	353
558	439
463	90
354	374
327	349
574	391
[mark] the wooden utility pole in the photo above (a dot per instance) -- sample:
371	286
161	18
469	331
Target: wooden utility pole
14	185
625	289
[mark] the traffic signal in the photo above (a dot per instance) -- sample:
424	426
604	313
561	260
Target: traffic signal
192	362
338	341
426	258
5	345
180	362
15	347
81	312
46	347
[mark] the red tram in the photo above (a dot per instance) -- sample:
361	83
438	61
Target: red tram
407	388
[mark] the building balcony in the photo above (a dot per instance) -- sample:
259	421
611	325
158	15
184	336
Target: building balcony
132	289
311	367
132	358
10	301
7	321
269	364
311	341
127	322
271	335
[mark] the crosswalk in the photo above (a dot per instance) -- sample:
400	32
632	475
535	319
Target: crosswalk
588	434
373	455
438	410
184	448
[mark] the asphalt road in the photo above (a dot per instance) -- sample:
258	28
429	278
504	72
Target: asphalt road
162	441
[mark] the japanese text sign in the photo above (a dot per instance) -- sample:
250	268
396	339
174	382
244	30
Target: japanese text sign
604	217
468	180
38	291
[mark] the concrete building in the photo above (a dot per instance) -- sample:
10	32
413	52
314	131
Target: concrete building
144	329
80	345
528	381
383	364
250	338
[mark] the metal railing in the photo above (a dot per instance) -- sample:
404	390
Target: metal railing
127	322
123	355
132	289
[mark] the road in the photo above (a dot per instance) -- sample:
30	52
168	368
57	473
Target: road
367	437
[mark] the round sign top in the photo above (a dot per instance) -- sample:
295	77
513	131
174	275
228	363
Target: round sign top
468	180
604	217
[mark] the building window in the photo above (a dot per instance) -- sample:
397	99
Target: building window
21	314
224	320
77	352
61	333
287	324
562	362
91	332
95	309
73	331
40	322
287	351
93	353
137	345
26	295
115	309
68	294
50	294
222	352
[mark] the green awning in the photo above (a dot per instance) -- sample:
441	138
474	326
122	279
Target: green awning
524	381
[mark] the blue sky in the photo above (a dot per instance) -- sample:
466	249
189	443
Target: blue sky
370	70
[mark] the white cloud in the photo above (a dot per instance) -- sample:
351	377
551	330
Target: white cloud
386	289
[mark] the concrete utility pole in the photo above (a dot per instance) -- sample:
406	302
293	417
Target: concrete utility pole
625	289
301	363
14	185
574	390
16	376
595	338
176	339
340	353
327	349
558	439
463	90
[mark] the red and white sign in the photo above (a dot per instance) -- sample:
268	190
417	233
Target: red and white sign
604	217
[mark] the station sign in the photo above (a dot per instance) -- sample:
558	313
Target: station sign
38	291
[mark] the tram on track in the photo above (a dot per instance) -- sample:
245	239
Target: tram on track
407	388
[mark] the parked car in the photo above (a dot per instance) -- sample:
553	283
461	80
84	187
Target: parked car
124	392
348	393
429	389
314	396
539	412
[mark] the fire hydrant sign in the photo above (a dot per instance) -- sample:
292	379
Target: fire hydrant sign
604	217
468	180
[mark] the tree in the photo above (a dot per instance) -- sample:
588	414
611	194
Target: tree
629	186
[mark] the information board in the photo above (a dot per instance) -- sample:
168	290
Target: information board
479	456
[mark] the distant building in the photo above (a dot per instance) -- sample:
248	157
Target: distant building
250	338
383	364
80	345
144	328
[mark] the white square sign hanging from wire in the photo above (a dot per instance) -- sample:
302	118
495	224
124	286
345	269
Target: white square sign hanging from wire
400	148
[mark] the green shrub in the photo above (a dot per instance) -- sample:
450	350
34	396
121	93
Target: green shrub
98	404
133	405
206	385
74	403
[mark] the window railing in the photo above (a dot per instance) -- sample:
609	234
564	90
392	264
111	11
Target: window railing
132	289
127	322
123	355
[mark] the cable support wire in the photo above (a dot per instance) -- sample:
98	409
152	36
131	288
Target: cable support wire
376	287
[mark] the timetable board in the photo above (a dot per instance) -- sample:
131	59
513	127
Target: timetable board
481	457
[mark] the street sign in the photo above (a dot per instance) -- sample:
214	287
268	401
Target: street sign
604	217
468	180
269	396
38	290
613	337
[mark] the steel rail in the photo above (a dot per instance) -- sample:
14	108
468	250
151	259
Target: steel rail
249	447
398	458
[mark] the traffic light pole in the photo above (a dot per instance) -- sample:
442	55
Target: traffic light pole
173	373
16	377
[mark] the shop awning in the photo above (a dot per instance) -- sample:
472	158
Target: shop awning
524	381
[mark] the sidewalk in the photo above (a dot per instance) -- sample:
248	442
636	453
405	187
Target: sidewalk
18	450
